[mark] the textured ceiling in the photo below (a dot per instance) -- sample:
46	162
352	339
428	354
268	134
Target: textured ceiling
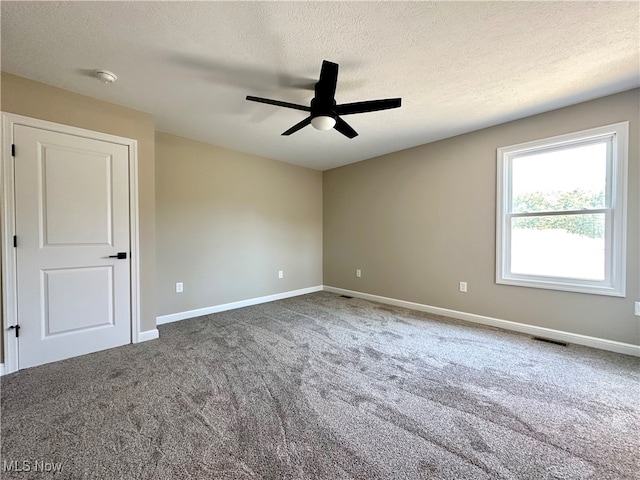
458	66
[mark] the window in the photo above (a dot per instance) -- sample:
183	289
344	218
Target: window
561	220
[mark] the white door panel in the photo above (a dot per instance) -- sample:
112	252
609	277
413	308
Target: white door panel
79	213
72	214
60	316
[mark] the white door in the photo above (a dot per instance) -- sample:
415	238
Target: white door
72	217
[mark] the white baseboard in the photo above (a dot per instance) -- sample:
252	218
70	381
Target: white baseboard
174	317
148	335
1	369
595	342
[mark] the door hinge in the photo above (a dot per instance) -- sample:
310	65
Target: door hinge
16	328
15	241
13	149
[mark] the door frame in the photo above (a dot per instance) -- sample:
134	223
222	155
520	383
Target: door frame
7	224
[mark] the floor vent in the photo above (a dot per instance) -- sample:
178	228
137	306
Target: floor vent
549	340
345	296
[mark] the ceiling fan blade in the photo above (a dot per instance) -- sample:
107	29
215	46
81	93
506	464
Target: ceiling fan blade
278	103
344	128
326	86
298	126
368	106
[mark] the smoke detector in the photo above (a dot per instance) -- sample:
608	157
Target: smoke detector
105	76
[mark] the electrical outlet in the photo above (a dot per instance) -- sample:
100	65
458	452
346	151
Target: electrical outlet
463	287
179	287
280	273
636	309
358	273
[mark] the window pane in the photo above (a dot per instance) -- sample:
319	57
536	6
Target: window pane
573	178
559	246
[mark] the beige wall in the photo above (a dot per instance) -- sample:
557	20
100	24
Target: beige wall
419	221
228	221
37	100
416	222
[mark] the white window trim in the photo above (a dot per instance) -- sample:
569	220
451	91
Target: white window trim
615	281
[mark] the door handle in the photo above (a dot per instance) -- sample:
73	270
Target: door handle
119	256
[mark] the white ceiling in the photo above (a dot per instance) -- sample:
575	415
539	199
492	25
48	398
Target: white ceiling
458	66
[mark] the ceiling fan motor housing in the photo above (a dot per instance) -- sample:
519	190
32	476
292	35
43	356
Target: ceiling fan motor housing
322	108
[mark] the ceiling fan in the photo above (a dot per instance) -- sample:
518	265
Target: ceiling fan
324	113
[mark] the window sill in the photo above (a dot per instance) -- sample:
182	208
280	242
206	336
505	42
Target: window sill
562	285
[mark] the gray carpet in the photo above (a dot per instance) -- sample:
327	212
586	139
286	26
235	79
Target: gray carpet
324	387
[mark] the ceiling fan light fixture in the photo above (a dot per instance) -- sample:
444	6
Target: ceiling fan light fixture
323	122
324	112
105	76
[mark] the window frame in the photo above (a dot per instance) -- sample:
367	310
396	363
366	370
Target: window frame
614	283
